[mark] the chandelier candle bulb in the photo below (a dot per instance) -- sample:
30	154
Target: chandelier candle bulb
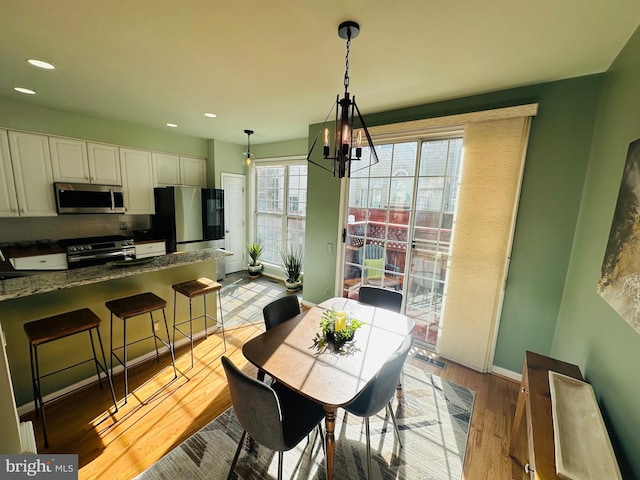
327	140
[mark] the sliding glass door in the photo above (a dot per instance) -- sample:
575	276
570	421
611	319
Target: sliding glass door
400	220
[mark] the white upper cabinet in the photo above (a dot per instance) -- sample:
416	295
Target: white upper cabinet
31	163
104	164
193	172
137	181
177	170
84	162
69	160
167	168
8	199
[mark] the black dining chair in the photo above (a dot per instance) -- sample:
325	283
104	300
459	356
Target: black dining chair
381	297
384	298
274	416
378	394
280	310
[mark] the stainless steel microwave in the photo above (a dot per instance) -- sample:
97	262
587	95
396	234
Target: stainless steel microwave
88	198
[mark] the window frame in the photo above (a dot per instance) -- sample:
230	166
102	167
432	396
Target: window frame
285	215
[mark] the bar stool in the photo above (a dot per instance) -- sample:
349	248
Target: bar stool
192	289
56	327
128	307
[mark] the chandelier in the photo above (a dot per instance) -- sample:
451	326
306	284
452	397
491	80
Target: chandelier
248	156
346	156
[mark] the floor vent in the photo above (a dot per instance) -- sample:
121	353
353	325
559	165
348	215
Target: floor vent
426	357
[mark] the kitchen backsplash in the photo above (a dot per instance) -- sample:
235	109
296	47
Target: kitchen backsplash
69	226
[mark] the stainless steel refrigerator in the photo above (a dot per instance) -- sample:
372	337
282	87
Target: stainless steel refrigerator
190	218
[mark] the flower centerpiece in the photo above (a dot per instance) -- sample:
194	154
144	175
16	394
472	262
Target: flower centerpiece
337	328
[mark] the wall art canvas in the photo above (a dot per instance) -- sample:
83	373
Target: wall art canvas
619	283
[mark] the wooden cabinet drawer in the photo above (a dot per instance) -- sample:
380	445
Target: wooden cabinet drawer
152	249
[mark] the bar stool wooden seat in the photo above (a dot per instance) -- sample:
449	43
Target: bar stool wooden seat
191	289
57	327
133	306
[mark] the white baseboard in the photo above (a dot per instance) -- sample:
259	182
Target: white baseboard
503	372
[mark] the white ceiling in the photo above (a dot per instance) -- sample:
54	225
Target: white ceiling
276	66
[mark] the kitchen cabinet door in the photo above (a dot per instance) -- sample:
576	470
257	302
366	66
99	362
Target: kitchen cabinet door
167	167
104	164
32	173
137	181
193	172
8	199
69	160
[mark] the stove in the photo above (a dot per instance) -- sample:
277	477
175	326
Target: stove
85	252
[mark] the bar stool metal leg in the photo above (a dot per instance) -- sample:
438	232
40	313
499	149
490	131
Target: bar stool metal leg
38	397
173	358
106	373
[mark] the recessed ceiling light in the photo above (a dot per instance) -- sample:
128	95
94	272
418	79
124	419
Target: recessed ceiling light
172	125
210	115
41	64
26	91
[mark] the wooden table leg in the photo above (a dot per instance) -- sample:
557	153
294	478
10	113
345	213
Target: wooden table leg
329	427
399	390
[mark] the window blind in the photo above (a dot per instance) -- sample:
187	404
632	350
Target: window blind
493	164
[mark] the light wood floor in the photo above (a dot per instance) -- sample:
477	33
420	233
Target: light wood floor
162	412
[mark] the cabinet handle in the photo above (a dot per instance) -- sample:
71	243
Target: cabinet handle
528	469
524	390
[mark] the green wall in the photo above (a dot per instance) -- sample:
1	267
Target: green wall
322	229
21	115
552	187
288	148
589	333
227	158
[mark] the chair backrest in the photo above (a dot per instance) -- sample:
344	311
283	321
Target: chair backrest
370	251
280	310
256	406
381	297
381	389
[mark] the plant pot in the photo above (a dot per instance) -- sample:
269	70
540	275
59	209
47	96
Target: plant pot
293	286
254	270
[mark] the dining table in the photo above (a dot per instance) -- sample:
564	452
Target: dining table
333	377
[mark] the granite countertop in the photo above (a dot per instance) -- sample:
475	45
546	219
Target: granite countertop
49	281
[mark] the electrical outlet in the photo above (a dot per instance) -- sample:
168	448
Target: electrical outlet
156	326
330	247
123	226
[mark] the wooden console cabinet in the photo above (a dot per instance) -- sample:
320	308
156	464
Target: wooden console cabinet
532	449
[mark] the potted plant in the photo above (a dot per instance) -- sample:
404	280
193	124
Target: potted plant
292	262
255	266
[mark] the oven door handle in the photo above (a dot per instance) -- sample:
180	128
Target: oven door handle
119	253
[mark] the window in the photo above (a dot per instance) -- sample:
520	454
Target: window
281	207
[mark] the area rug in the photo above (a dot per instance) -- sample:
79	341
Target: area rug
433	419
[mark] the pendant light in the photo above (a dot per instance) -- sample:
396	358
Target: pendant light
346	156
248	156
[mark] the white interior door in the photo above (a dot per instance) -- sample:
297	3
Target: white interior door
234	220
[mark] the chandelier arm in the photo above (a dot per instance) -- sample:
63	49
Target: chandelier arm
326	119
374	160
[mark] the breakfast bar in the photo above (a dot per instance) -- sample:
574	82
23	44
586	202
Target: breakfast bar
49	293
